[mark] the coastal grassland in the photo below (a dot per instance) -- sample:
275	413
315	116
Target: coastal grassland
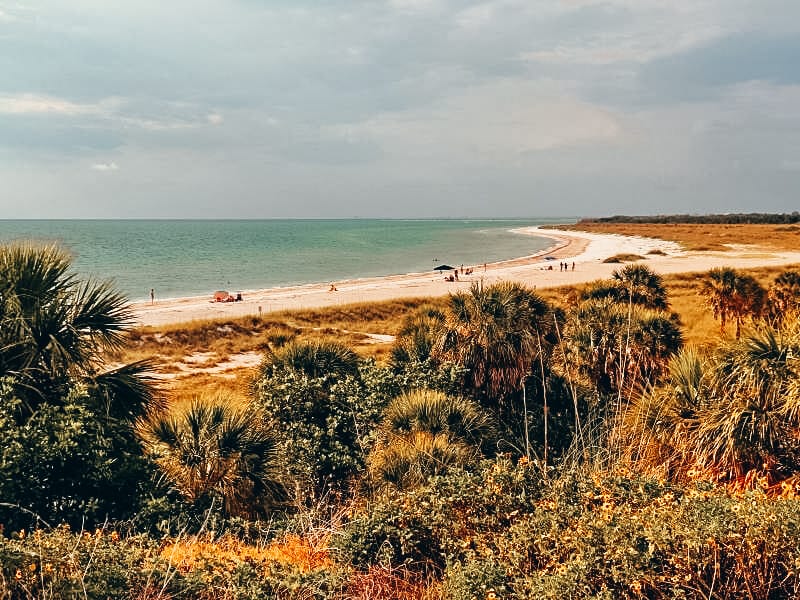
703	237
222	355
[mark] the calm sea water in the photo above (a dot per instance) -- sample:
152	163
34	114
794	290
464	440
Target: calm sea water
187	258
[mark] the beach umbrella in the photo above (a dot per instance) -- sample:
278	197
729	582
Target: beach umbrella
443	268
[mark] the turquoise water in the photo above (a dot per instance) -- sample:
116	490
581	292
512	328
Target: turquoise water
187	258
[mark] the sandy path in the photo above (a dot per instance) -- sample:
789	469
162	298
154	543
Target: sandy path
586	250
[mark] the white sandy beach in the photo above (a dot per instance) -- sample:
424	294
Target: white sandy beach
586	250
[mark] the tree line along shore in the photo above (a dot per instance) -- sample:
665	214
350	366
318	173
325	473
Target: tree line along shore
507	445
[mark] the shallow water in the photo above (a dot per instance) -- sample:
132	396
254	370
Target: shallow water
194	257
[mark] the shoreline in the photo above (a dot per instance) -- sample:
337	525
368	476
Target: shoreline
585	250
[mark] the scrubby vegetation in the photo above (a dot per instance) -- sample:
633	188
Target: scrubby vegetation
727	218
508	446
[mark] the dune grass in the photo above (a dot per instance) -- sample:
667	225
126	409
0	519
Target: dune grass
230	339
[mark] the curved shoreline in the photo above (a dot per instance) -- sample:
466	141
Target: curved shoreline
585	250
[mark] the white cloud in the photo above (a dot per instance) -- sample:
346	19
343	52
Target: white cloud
215	118
490	124
112	166
476	16
414	6
641	47
38	104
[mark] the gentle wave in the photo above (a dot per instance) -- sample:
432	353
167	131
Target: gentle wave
187	258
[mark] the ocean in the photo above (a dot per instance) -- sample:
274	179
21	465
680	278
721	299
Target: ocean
195	257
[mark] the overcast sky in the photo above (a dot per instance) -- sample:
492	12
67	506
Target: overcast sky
398	108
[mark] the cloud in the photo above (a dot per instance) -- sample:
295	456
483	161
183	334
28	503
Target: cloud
414	6
489	124
21	104
214	119
476	16
112	166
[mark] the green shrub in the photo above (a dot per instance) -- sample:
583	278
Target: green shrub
328	425
475	580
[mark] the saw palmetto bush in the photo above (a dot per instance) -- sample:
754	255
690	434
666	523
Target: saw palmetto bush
213	451
423	433
783	297
416	339
312	358
732	296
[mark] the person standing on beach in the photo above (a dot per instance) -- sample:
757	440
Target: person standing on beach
152	296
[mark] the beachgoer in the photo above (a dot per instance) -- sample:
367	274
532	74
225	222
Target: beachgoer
455	274
462	269
152	296
333	288
573	266
484	267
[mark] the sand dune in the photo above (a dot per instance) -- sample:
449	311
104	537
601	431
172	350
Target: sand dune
586	250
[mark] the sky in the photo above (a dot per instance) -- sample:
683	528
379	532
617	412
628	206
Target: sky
398	108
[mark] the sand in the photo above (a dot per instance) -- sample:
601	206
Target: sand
586	250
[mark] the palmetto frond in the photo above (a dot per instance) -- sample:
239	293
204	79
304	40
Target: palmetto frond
314	359
497	332
640	285
212	447
54	327
126	392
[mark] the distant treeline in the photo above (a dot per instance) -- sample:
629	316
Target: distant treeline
764	218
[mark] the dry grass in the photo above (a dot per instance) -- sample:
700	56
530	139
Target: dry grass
205	357
305	554
701	237
186	373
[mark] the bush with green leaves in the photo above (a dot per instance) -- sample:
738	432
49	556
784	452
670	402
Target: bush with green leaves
62	563
580	535
64	463
326	426
69	452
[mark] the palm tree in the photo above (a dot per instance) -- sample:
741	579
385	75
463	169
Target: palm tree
784	296
416	339
640	285
425	432
313	358
212	449
56	330
734	415
751	425
497	332
616	347
732	295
